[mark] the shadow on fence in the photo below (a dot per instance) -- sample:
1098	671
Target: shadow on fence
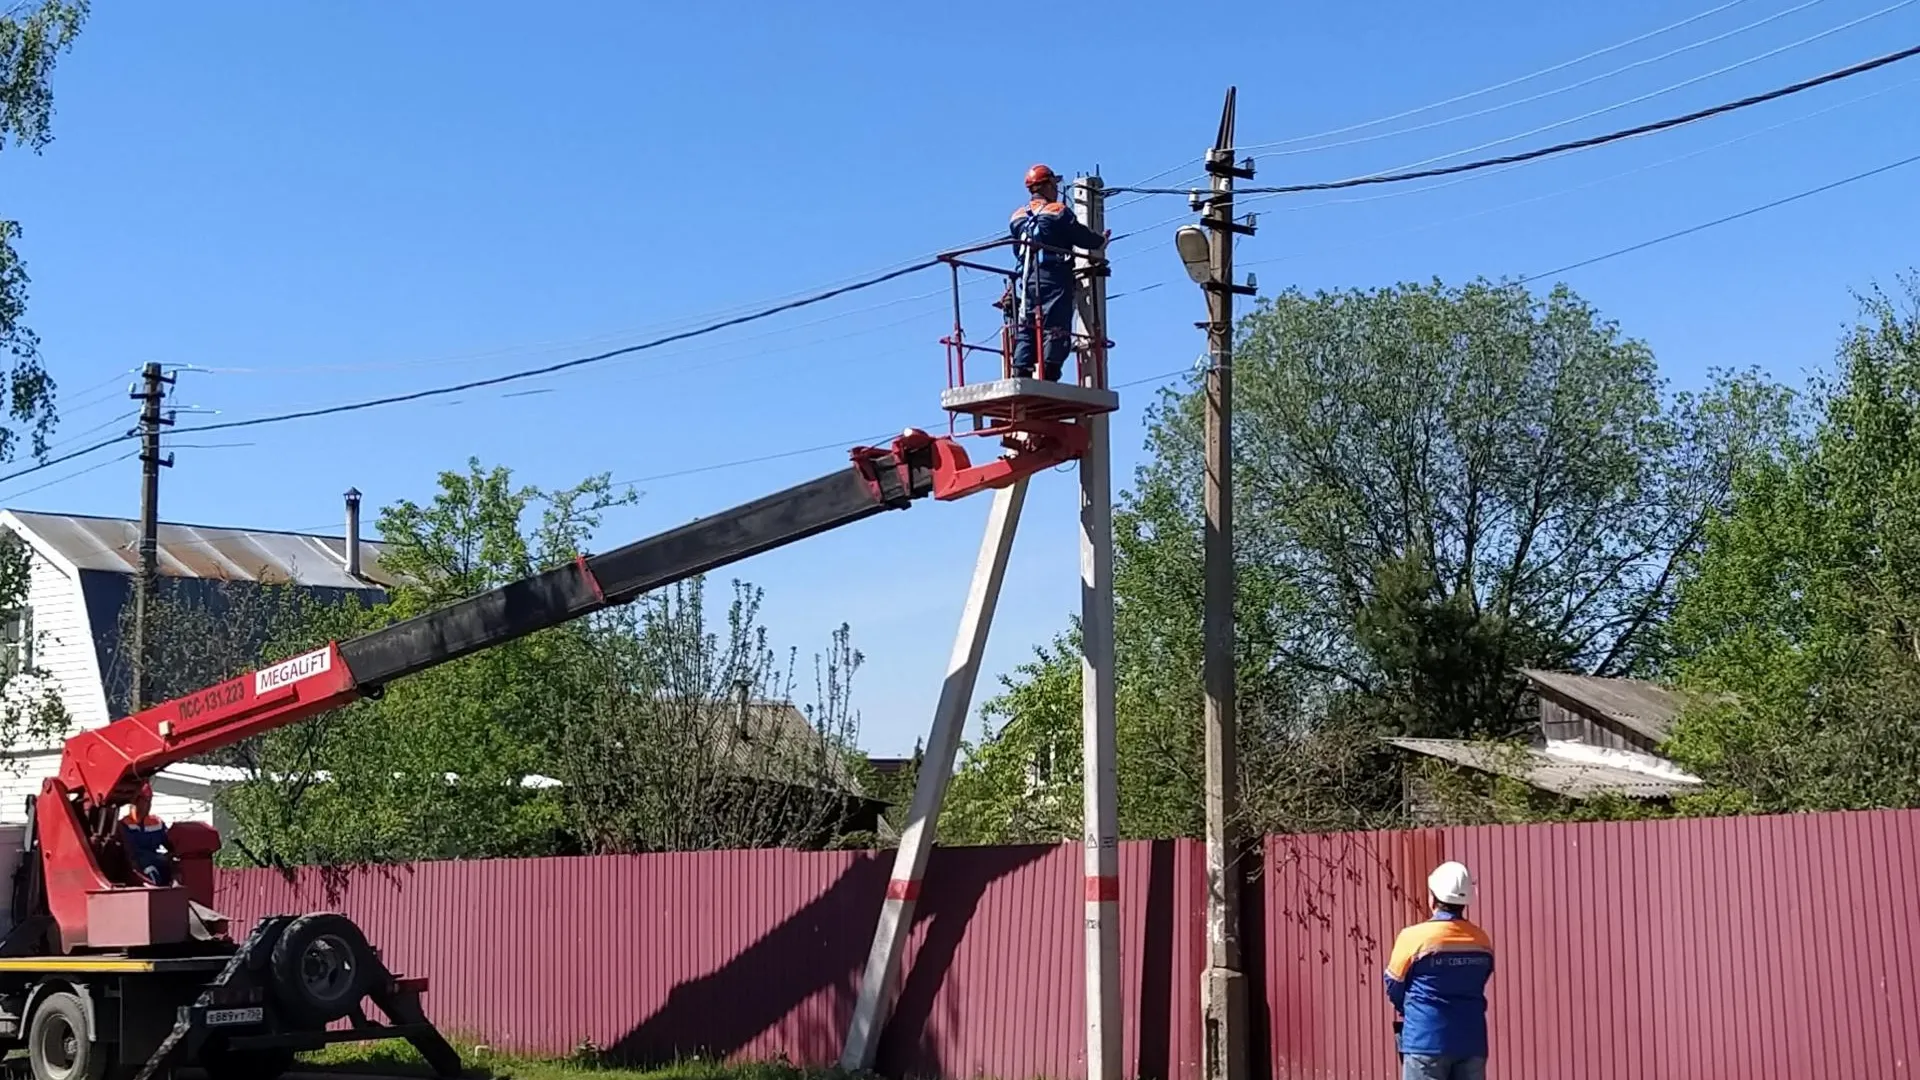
822	946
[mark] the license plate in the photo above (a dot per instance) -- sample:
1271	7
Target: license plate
224	1017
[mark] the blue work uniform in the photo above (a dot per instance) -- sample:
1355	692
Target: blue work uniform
145	838
1437	981
1047	280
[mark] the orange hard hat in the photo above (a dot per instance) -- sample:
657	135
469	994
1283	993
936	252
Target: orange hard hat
1041	174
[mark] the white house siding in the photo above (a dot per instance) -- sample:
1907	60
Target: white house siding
175	797
63	649
63	642
20	780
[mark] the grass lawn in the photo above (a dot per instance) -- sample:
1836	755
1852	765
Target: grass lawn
399	1059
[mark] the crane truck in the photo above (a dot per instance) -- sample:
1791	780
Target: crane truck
104	974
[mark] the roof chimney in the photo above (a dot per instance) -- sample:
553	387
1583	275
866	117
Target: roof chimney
353	531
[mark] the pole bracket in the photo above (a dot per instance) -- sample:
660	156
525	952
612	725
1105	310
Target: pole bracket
1220	287
1225	167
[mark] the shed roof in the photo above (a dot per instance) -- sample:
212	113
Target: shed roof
111	545
1640	706
1575	770
777	743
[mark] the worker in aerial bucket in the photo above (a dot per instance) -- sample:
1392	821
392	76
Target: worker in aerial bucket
1044	289
1437	982
145	839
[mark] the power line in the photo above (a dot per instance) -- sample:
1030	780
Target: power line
51	462
72	475
1456	99
1418	109
1577	144
1651	94
571	343
102	426
1749	212
839	444
548	369
1583	185
1590	80
514	376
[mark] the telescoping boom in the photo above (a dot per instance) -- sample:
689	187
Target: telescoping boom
102	769
169	985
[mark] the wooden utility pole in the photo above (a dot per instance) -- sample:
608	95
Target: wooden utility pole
1223	992
153	390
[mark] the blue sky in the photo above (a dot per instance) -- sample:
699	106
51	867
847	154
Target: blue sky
325	202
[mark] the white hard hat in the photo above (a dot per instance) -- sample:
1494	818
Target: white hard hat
1451	884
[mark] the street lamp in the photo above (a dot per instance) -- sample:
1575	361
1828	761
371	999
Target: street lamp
1196	251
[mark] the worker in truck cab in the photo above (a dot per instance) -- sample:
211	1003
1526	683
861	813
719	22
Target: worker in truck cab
145	838
1437	982
1047	230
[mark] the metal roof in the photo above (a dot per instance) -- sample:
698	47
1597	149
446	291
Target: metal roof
111	545
1635	704
1575	770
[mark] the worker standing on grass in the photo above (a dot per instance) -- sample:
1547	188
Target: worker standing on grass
1437	981
145	837
1045	285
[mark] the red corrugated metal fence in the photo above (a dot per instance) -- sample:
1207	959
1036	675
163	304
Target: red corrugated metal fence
1701	949
758	953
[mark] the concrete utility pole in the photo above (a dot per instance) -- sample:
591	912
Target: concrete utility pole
1099	784
1223	993
878	981
153	390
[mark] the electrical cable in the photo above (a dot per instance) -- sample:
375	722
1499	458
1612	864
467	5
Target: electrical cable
1651	94
564	365
1416	110
575	343
72	475
1583	185
124	417
1562	66
513	376
51	462
1576	144
838	444
1748	212
1589	81
568	344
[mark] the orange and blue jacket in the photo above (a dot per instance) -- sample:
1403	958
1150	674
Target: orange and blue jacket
1437	981
144	839
1053	226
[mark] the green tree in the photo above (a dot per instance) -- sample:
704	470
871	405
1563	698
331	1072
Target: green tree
1435	486
439	765
690	738
32	38
637	728
1800	626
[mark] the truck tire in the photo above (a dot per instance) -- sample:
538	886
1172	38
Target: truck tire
57	1046
322	967
221	1063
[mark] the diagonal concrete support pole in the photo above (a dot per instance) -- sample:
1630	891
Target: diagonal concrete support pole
882	974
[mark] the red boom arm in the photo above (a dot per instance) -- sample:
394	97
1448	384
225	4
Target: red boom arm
108	764
95	902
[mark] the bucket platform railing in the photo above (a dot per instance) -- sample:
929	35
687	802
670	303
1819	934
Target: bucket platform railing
1003	404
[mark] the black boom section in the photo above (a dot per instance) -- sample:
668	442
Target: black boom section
564	593
742	532
513	610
